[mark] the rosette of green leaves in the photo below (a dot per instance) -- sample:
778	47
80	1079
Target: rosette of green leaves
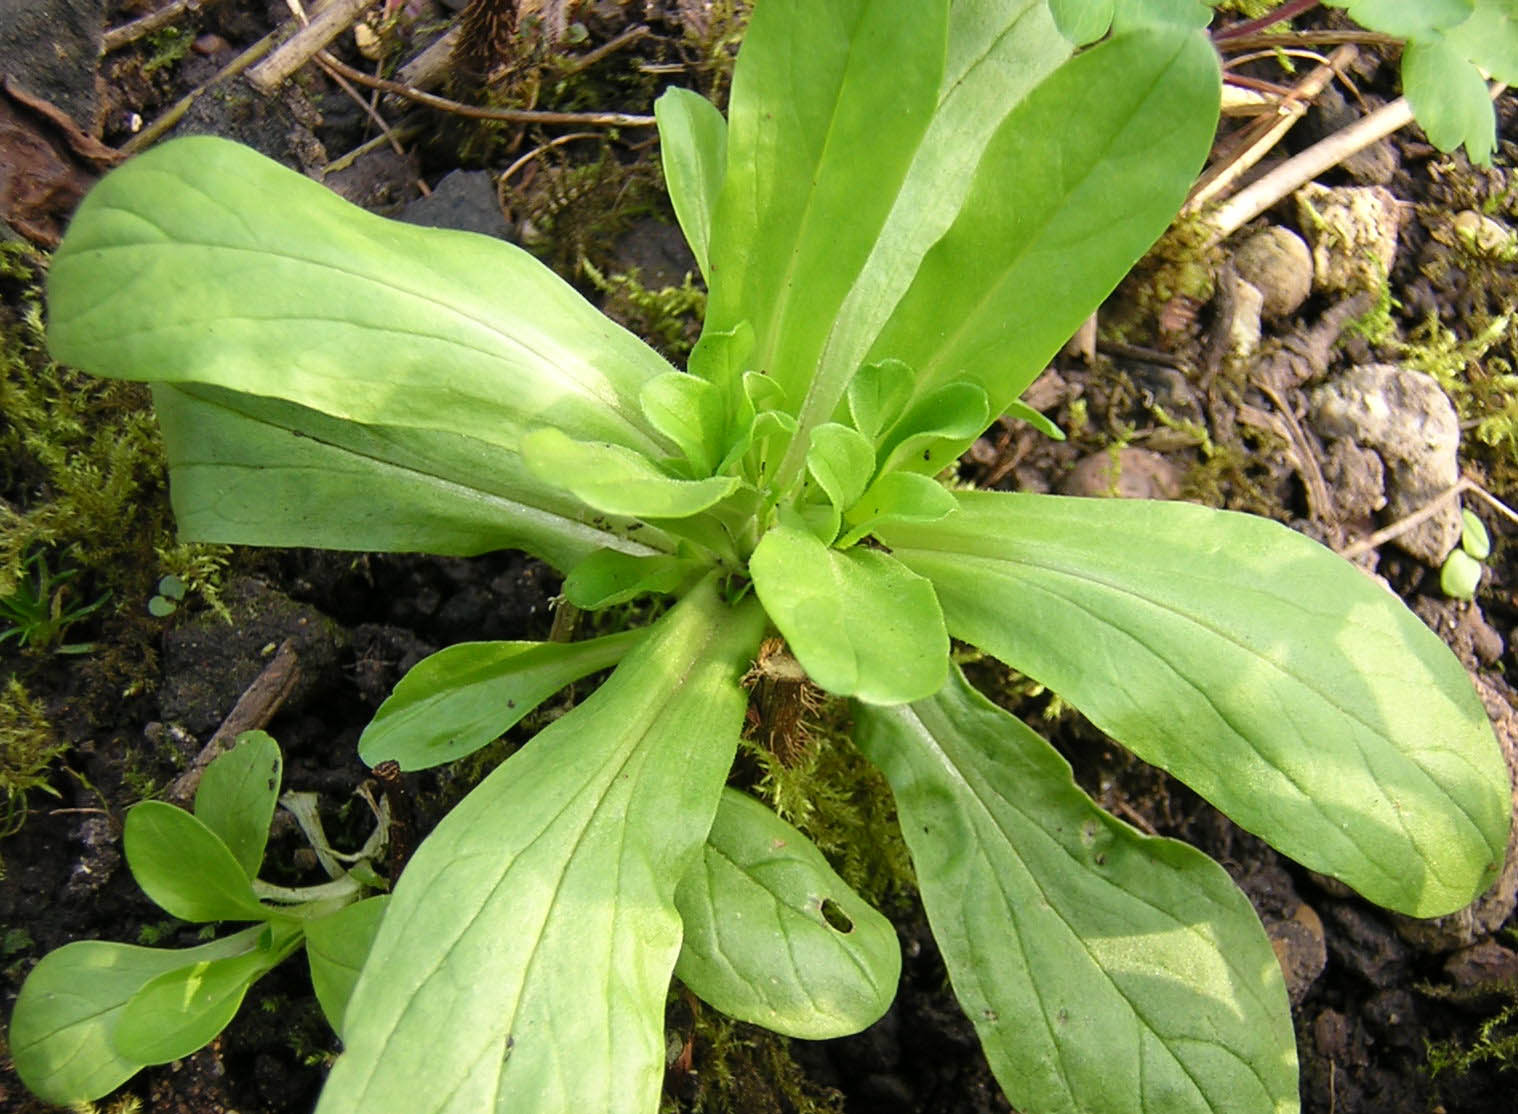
909	207
93	1013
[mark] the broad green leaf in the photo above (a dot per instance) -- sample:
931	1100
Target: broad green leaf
1489	38
841	460
607	577
812	174
185	867
1449	98
692	413
248	471
1082	21
525	956
1273	677
183	1009
937	428
64	1024
897	497
693	148
455	701
202	261
878	395
774	937
1102	153
860	623
615	480
1405	20
237	795
336	947
1103	970
998	50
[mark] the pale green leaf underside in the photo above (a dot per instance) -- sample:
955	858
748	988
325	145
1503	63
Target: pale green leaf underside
185	867
1274	678
336	947
525	956
1103	970
455	701
62	1029
693	150
258	471
1449	98
860	623
758	945
237	795
202	261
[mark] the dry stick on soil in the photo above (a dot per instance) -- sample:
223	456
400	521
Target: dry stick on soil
1426	512
591	57
329	22
255	708
510	115
127	33
325	60
1220	178
151	133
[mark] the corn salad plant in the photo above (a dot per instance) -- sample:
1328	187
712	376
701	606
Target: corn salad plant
910	206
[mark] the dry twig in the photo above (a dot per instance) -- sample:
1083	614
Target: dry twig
330	21
117	37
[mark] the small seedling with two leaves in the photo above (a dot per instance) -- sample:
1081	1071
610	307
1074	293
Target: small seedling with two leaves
1461	573
93	1013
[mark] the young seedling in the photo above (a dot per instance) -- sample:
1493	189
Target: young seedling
911	205
38	610
93	1013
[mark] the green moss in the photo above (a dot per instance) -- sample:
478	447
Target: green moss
1495	1043
27	746
669	318
738	1067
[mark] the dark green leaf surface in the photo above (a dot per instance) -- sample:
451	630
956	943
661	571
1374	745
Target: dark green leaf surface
246	470
1103	970
336	947
455	701
185	867
860	623
237	795
525	956
693	149
183	1009
758	945
1273	677
63	1028
202	261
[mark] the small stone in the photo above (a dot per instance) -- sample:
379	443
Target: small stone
1277	263
463	199
1300	948
1485	235
1127	473
1411	423
1485	964
1244	331
1356	480
1353	230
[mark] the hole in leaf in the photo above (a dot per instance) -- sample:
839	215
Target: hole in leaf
835	916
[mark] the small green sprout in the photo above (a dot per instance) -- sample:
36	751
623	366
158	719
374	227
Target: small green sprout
1463	568
39	612
171	591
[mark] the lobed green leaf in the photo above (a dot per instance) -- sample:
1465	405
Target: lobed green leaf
336	947
1102	969
185	867
693	149
1273	677
774	937
63	1028
455	701
525	955
237	795
860	623
182	1010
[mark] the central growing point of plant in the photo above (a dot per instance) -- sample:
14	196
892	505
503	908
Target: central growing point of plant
911	205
